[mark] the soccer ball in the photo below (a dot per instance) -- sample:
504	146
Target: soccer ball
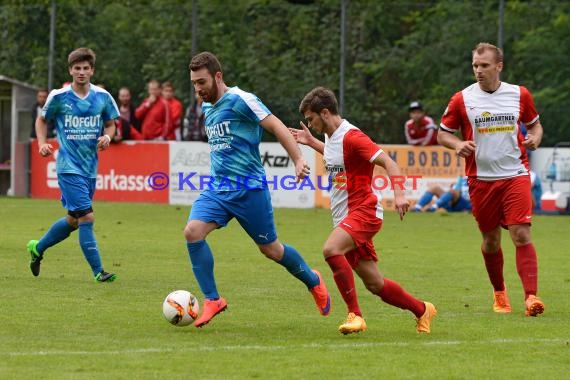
180	308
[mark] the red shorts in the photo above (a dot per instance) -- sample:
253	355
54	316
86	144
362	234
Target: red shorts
501	203
362	231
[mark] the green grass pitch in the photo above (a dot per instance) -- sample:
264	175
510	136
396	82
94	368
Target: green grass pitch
63	325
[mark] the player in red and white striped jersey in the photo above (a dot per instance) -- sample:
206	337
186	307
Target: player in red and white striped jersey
350	157
488	114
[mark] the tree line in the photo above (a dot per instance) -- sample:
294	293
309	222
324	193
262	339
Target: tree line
396	51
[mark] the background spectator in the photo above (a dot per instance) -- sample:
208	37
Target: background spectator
128	126
154	113
420	129
41	98
194	129
176	108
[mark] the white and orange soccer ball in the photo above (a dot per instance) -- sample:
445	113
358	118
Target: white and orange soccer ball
180	308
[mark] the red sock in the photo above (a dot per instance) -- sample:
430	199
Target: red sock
494	264
527	267
393	294
344	278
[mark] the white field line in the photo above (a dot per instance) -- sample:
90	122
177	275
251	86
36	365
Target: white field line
327	346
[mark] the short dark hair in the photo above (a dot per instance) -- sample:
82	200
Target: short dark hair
318	99
207	60
482	46
81	55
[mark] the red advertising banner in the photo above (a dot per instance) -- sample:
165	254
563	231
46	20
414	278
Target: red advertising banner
123	172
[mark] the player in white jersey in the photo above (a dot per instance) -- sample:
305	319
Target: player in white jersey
80	111
350	157
234	122
488	114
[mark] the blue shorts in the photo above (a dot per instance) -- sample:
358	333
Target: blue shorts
251	208
462	204
76	191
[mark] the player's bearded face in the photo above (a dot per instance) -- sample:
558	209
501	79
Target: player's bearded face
205	85
314	121
209	93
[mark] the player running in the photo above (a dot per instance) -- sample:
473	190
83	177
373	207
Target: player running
80	111
235	121
488	114
350	157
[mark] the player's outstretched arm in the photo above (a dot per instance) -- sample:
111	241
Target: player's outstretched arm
304	136
272	124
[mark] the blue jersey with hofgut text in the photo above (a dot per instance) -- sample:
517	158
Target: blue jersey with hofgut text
234	134
79	123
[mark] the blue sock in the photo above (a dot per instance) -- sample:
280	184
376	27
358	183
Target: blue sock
444	200
425	199
89	247
59	231
297	266
203	267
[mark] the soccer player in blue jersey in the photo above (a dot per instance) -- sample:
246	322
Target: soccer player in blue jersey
234	122
81	112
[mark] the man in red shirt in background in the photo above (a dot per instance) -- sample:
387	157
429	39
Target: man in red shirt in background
420	129
175	107
154	114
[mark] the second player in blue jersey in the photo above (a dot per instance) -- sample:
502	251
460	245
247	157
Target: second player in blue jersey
83	115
